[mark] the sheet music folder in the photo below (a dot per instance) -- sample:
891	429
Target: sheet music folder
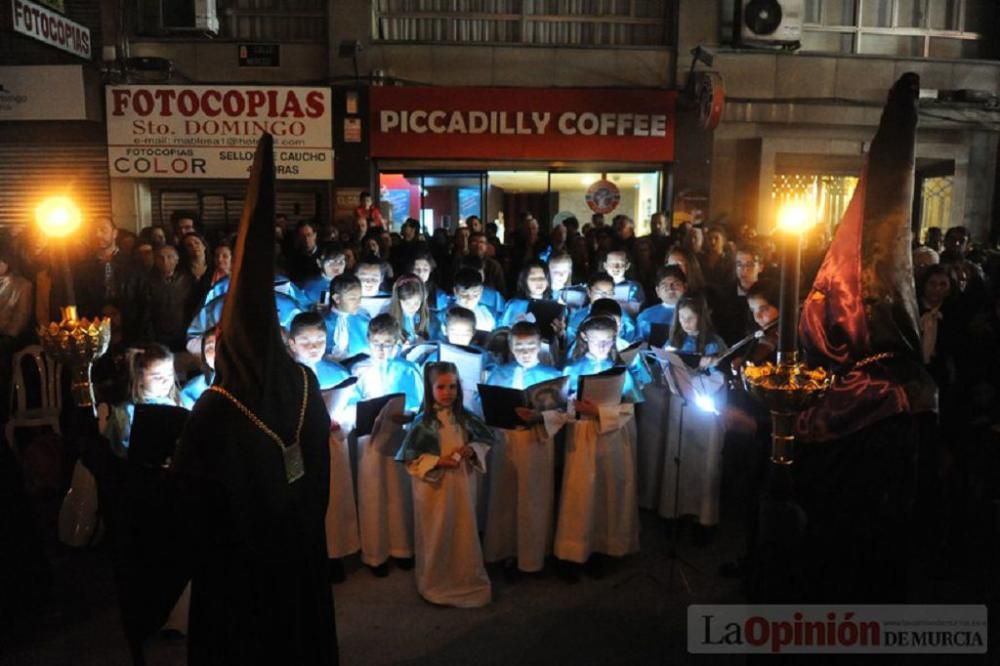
154	434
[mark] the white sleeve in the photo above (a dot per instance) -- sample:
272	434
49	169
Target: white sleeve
425	468
553	421
478	460
612	417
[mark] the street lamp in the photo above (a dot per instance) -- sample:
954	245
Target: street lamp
76	342
788	386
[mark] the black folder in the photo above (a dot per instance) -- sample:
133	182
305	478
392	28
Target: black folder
545	312
154	434
368	411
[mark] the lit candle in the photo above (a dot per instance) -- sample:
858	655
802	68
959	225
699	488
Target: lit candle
794	219
58	217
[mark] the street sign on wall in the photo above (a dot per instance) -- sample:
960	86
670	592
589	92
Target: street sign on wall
51	28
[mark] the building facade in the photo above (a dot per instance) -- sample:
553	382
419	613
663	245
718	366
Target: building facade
795	123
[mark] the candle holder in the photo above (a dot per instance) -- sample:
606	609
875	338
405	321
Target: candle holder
787	388
77	343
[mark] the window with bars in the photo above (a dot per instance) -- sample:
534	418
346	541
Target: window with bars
935	204
581	23
827	194
281	21
906	28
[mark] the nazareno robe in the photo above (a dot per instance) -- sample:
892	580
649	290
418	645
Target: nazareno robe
248	534
259	572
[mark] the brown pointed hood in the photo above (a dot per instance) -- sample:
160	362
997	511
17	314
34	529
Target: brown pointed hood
251	355
861	316
863	300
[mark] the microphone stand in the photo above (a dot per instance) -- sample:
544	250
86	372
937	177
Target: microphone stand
673	553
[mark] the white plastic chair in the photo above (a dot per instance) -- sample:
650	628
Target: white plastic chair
31	411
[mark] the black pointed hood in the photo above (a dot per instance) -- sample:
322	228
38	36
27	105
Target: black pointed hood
251	356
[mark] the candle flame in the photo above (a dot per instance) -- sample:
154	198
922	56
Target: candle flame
796	217
58	216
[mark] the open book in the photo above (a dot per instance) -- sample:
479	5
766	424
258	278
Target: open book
628	354
419	351
603	388
336	398
375	305
499	402
663	356
687	381
574	297
623	294
468	361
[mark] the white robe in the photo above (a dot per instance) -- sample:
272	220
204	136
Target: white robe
521	503
652	424
385	505
700	462
341	511
449	561
598	508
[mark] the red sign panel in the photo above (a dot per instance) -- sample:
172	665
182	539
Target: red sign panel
626	125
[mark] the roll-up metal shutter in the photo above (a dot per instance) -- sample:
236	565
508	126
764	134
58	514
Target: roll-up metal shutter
30	173
220	203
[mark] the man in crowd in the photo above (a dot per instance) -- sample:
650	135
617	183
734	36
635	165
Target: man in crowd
106	274
303	262
731	317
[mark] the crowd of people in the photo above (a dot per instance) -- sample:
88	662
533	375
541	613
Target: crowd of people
449	493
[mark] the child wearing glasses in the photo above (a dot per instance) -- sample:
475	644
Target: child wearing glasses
332	263
385	508
600	285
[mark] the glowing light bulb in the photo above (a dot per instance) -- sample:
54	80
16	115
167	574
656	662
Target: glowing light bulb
58	216
795	217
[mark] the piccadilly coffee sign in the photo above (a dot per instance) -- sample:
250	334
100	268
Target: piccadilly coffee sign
523	123
211	131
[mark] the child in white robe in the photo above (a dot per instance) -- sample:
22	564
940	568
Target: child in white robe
652	416
385	510
696	436
444	452
598	509
521	482
307	343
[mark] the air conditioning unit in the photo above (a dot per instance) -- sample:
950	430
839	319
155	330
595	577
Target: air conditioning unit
190	16
776	23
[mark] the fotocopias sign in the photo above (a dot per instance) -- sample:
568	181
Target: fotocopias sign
523	123
212	131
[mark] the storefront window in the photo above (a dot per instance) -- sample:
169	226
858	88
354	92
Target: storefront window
508	197
437	200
